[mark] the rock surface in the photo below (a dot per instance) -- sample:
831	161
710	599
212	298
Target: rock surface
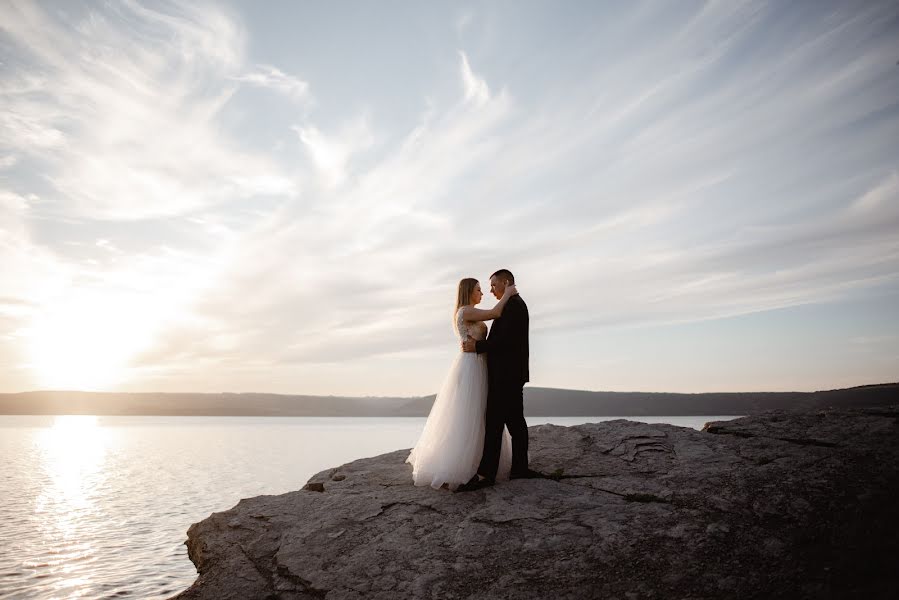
779	505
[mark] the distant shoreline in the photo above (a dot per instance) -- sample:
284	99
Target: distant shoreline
539	402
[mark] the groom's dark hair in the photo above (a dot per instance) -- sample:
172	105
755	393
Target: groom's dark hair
504	274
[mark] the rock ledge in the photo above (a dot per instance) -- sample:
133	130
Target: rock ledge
778	505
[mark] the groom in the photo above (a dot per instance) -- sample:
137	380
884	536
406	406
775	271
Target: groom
507	371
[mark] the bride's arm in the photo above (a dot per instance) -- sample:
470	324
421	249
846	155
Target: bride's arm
469	313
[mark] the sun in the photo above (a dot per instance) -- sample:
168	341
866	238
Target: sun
86	342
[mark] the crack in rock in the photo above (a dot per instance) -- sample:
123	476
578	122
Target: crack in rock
635	496
304	584
389	505
722	430
269	568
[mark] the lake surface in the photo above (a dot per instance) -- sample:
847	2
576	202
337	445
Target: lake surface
98	507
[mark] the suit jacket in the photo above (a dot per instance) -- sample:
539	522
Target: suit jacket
507	345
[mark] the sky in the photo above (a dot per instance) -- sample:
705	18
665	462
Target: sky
282	196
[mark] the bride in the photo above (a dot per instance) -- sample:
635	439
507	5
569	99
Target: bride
449	449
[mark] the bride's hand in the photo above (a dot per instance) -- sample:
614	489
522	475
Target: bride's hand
510	291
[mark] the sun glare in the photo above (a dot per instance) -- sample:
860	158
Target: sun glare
87	343
73	455
73	452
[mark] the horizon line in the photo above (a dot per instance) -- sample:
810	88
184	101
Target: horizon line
818	391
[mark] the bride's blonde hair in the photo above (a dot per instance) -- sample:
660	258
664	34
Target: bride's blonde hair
466	289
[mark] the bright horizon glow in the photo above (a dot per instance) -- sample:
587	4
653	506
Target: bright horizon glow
208	197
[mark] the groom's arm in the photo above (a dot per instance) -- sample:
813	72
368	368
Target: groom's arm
504	337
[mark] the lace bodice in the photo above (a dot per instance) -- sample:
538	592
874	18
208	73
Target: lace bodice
477	330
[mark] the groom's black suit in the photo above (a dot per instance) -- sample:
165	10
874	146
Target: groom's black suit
507	371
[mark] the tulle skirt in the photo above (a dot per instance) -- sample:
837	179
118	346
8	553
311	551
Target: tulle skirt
452	441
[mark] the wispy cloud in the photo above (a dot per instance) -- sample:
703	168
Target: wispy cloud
128	135
331	154
267	76
635	169
476	89
366	234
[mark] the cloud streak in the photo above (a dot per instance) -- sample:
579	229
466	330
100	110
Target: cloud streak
267	76
645	168
129	135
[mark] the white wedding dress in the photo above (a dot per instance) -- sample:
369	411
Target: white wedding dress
449	449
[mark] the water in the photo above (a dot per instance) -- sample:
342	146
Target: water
98	507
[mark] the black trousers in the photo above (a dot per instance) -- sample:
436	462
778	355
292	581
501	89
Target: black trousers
505	408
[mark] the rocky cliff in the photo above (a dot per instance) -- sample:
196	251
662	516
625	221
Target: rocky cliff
779	505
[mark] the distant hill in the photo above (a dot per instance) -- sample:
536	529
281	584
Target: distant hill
539	402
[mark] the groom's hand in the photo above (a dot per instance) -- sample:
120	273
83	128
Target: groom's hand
468	345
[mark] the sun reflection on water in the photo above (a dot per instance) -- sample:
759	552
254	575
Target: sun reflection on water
73	451
73	454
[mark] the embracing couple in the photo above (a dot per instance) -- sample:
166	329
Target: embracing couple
476	433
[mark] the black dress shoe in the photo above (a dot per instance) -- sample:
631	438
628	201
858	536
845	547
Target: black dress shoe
474	479
475	483
527	474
